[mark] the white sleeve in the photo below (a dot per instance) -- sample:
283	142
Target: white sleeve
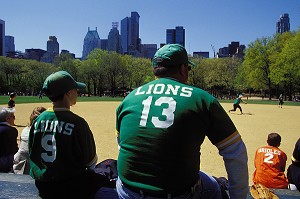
236	164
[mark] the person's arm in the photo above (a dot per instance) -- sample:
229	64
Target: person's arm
236	164
87	146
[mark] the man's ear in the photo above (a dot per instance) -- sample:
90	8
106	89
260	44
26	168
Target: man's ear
182	69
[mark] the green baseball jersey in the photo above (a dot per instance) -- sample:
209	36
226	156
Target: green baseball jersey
161	127
237	101
61	145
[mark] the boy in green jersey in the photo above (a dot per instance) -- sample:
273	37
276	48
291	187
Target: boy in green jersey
161	126
61	144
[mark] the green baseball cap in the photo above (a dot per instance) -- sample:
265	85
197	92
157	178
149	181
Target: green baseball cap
59	83
171	55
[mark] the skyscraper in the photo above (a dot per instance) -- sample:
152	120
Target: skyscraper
131	43
176	36
52	50
283	24
114	39
2	37
9	45
91	42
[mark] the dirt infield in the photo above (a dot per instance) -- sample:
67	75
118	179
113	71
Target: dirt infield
254	126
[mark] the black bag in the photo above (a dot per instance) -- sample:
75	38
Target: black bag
108	168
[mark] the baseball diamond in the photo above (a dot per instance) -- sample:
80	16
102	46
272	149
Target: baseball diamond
254	126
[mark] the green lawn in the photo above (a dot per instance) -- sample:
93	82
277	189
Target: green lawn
35	99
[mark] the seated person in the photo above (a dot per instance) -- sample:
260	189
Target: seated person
270	164
8	139
293	171
21	158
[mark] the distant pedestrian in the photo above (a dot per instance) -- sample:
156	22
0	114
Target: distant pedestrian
40	94
11	103
280	101
236	104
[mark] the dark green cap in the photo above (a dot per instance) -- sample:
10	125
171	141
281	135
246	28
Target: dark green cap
60	83
171	55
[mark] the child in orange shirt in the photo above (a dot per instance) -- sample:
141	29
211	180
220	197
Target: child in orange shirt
270	163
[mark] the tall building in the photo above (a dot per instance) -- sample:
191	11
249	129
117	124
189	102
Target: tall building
9	45
233	49
148	50
34	54
114	39
2	37
52	50
201	54
91	42
130	36
283	24
176	36
103	44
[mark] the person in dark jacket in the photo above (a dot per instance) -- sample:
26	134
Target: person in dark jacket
8	139
293	172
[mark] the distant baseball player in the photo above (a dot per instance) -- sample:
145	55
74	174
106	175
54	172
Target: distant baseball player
161	127
270	163
236	104
61	144
280	101
11	103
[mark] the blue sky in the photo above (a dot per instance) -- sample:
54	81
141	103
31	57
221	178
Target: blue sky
206	22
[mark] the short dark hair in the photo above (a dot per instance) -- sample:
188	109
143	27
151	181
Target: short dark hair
162	70
274	139
12	95
56	98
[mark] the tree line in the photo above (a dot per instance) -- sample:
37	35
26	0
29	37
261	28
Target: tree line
270	66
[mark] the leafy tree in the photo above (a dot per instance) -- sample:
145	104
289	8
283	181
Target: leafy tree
286	69
257	65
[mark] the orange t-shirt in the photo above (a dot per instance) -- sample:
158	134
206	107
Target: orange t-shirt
269	165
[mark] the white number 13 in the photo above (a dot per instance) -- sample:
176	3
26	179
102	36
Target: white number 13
168	112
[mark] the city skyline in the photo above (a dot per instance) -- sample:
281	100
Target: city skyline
206	23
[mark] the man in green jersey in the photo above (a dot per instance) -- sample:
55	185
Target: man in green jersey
236	104
161	126
61	144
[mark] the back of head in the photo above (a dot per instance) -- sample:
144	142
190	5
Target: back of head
296	154
12	95
35	113
274	139
5	113
170	57
59	83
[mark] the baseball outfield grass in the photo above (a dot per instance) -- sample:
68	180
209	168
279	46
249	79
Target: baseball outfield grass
258	120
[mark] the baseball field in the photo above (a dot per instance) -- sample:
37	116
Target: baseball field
254	126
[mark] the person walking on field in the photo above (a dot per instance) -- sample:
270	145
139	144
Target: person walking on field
161	126
11	103
270	163
280	101
61	145
236	104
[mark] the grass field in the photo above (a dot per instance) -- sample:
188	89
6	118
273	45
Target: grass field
35	99
254	126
